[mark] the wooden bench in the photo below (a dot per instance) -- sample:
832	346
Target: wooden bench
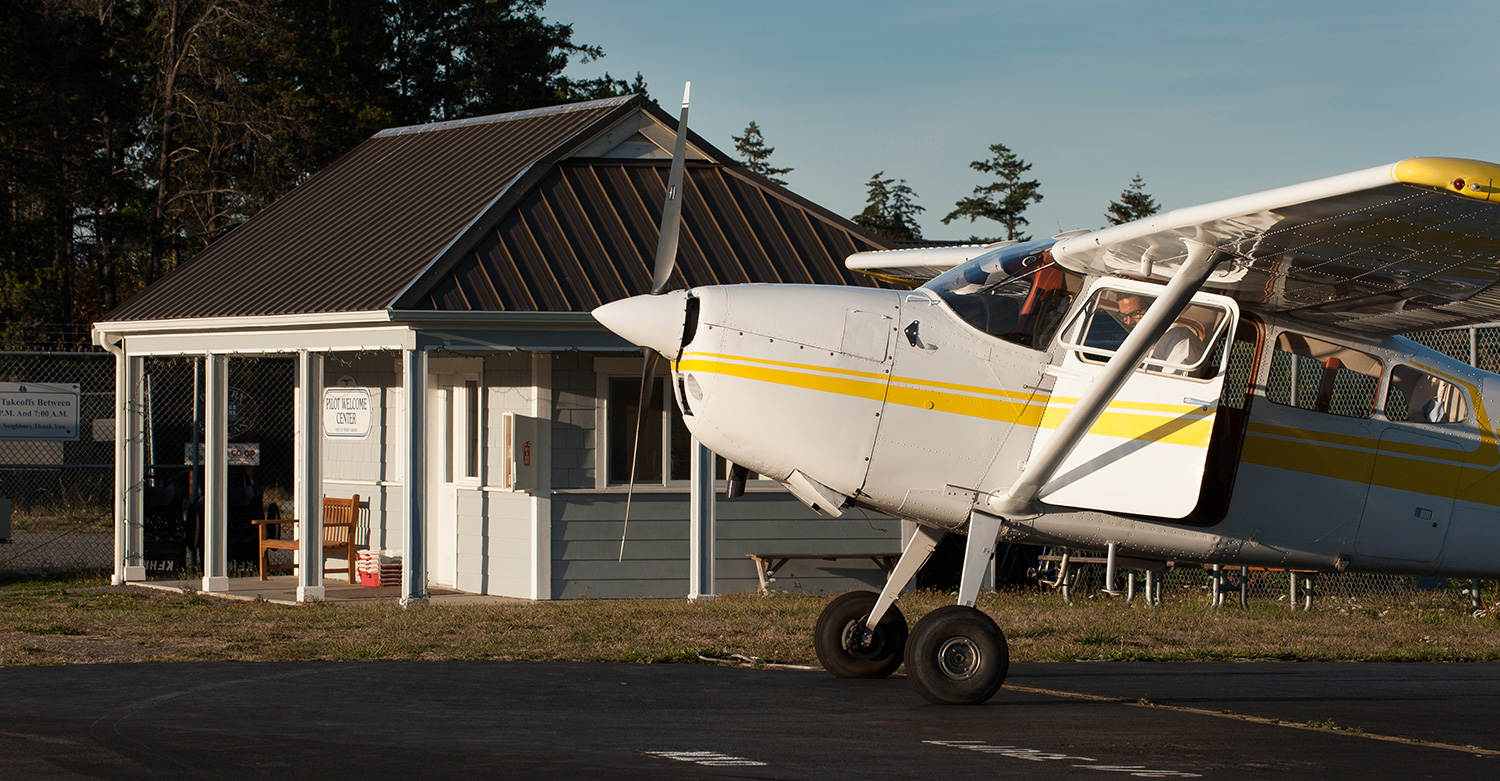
340	518
766	564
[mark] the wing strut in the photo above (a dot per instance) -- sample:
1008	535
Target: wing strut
1159	317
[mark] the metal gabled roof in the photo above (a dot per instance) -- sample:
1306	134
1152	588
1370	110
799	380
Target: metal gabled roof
490	214
586	235
360	232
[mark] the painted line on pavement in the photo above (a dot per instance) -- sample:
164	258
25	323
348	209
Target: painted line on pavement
1329	728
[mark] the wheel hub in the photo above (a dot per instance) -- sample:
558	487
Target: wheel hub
959	658
861	642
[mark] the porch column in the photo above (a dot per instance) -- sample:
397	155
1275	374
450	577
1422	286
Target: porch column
130	431
541	500
701	535
414	389
309	480
215	474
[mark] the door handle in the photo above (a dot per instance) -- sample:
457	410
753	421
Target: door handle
914	337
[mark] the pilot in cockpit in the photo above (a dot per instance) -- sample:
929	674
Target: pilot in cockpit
1181	344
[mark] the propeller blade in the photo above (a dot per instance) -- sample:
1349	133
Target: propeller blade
648	377
671	212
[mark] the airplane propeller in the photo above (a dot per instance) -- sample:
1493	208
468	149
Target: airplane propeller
661	276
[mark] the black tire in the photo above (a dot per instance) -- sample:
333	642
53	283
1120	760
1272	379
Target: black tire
957	656
836	638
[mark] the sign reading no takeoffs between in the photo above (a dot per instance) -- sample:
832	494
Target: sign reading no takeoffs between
346	412
36	410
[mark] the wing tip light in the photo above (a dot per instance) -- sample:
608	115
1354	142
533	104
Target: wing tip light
1474	179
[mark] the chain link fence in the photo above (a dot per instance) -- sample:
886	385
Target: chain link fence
1293	590
60	491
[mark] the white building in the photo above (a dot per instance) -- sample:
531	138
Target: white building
455	265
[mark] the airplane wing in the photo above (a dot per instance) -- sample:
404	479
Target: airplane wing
1405	247
913	267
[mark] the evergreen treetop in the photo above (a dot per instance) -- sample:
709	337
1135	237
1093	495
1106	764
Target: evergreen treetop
891	209
753	152
1003	201
1134	204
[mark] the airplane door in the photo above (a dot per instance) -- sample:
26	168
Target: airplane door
1405	524
1416	473
1147	452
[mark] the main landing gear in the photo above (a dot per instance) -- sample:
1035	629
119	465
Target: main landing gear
848	649
956	655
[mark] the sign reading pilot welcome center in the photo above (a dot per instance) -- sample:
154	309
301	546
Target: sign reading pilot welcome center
346	412
37	410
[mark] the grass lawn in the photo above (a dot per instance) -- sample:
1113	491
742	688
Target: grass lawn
88	621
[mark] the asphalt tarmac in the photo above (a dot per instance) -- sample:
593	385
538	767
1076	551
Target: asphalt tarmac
477	720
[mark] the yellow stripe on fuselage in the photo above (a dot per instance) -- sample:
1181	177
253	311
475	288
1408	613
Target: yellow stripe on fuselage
863	385
1422	469
1173	423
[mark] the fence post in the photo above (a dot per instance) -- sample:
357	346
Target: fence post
130	473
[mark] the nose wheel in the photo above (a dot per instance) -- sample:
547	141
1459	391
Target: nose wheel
957	655
848	649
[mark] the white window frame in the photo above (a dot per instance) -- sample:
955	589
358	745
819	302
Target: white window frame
607	369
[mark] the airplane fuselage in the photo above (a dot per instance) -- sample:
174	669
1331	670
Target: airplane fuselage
891	400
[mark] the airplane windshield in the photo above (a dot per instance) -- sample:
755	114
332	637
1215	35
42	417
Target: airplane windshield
1016	293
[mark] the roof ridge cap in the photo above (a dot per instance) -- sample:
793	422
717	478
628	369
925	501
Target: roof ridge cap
566	108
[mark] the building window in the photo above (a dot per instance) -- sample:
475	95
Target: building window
1321	376
471	426
622	409
655	464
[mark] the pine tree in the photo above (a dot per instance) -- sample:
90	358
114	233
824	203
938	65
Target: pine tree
754	153
1003	201
132	134
891	209
1134	204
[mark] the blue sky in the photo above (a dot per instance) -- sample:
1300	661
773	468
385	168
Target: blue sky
1204	100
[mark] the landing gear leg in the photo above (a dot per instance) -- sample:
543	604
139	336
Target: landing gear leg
862	634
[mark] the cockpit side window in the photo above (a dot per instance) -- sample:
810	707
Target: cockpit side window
1418	397
1016	293
1191	347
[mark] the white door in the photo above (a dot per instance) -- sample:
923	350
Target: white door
455	445
442	532
1146	453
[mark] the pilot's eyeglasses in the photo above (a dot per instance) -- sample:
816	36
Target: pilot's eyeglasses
1134	314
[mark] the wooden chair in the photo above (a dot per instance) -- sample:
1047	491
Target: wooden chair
340	519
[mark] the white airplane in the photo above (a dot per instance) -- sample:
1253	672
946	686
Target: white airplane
1222	384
